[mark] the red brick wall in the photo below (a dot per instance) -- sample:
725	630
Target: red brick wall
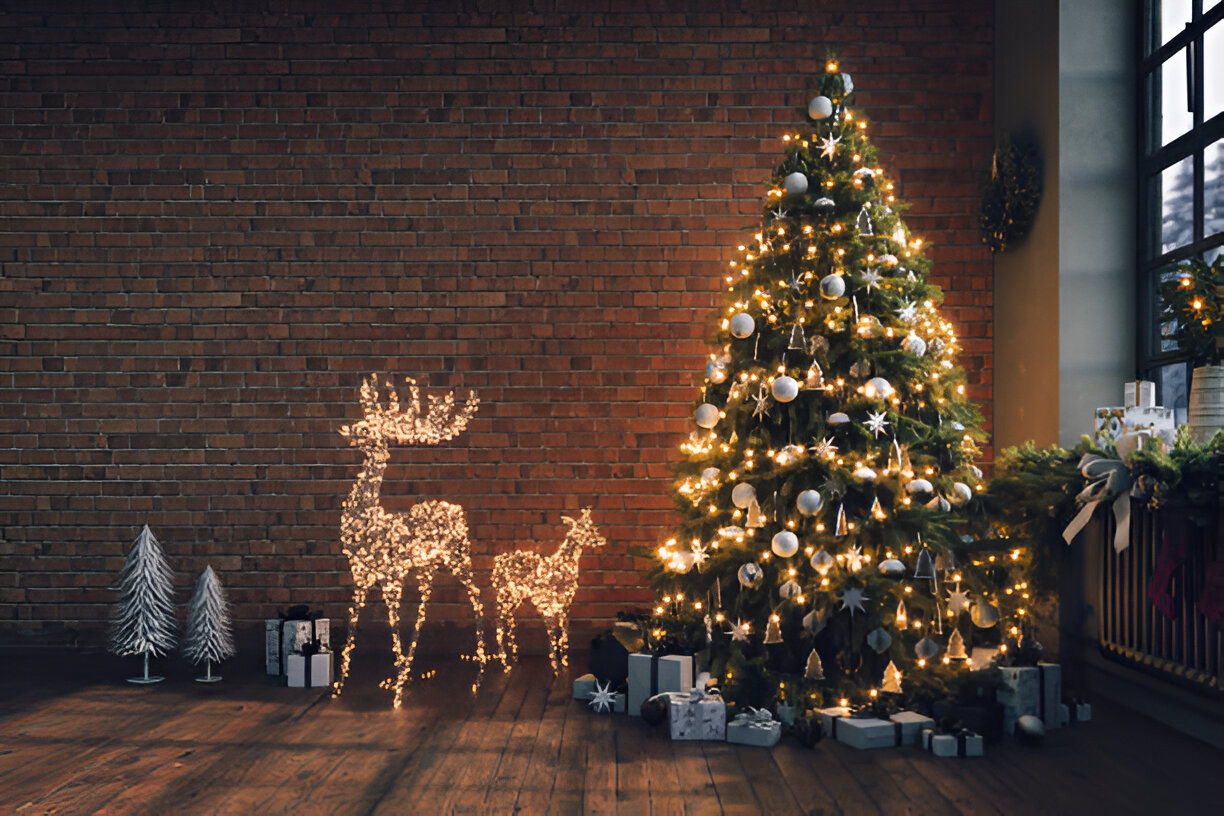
213	224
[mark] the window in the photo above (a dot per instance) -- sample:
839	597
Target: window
1181	167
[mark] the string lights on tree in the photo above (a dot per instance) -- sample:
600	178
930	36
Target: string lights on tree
385	548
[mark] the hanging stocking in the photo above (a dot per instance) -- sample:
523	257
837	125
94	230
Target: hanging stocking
1211	601
1173	554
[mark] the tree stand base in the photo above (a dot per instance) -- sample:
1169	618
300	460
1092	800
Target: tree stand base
210	679
145	681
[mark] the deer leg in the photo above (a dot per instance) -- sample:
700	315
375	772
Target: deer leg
550	627
563	641
359	598
506	604
392	596
462	570
404	662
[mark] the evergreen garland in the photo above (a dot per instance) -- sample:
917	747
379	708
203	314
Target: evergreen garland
1192	309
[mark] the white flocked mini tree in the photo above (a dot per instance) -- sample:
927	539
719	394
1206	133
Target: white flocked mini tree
209	637
144	622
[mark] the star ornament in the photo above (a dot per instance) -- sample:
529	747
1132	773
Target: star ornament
876	423
908	313
700	554
828	146
602	698
739	631
852	599
779	213
854	559
958	601
871	279
825	447
762	403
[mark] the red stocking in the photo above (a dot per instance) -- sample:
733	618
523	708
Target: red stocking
1173	554
1211	602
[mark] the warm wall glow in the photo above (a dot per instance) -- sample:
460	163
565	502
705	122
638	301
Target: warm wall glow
549	582
384	548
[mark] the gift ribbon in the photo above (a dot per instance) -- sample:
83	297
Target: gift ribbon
754	718
1108	480
294	613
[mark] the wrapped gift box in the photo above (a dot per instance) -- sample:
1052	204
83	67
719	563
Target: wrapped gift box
697	716
964	744
865	732
1139	394
285	636
1035	690
754	727
828	715
651	674
912	723
309	671
1074	713
584	687
985	717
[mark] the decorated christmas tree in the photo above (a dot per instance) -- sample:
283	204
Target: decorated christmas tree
209	638
144	621
828	491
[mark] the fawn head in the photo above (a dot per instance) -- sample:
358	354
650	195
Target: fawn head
394	423
583	531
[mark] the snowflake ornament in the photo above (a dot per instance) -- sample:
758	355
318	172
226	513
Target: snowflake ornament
828	146
602	698
824	447
852	599
908	313
762	403
871	279
700	553
739	631
958	601
876	423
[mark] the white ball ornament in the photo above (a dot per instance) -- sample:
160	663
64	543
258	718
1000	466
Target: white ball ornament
821	107
682	561
832	287
710	475
789	455
785	544
962	492
878	388
892	568
809	502
825	204
742	495
914	344
795	184
716	371
919	486
707	415
742	325
1030	729
889	260
750	575
838	418
865	474
785	389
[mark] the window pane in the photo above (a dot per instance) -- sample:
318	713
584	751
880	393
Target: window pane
1175	118
1177	205
1213	189
1213	69
1174	14
1174	390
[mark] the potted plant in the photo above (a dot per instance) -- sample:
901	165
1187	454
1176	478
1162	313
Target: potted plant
1192	313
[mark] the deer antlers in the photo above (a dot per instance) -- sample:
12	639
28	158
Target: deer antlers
443	422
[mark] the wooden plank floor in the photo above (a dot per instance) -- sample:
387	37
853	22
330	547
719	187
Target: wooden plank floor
520	745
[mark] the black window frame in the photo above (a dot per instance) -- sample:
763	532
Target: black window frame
1152	262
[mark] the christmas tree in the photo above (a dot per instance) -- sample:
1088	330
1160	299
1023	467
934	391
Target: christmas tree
209	636
144	618
828	492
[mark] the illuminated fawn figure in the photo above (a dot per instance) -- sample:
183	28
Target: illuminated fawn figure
384	548
549	582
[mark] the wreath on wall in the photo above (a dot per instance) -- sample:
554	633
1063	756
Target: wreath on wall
1011	196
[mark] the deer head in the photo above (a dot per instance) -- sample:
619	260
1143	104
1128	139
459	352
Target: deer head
405	425
583	532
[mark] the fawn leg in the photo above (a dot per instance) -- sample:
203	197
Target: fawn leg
462	570
563	641
359	597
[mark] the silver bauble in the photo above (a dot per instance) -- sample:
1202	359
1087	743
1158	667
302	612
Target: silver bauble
838	418
789	590
716	371
824	204
1030	729
821	107
847	83
750	575
795	184
865	474
785	389
710	475
914	344
707	415
888	259
742	325
789	455
879	640
784	544
809	502
878	388
892	568
962	492
926	648
976	471
682	561
832	287
984	614
742	495
919	486
822	562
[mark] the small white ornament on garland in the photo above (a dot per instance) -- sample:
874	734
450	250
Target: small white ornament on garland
209	637
144	622
820	107
914	344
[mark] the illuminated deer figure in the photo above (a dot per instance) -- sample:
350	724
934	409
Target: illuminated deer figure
384	548
549	582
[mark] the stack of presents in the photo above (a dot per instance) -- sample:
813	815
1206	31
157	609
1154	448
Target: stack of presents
297	646
1137	420
993	702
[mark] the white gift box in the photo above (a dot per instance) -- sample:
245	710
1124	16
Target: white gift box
912	723
950	745
1075	713
284	637
1139	394
755	726
1035	690
697	716
828	715
320	670
584	687
650	675
866	732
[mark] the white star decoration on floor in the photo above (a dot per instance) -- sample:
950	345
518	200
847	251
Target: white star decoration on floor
739	631
828	146
602	698
852	599
958	601
876	423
